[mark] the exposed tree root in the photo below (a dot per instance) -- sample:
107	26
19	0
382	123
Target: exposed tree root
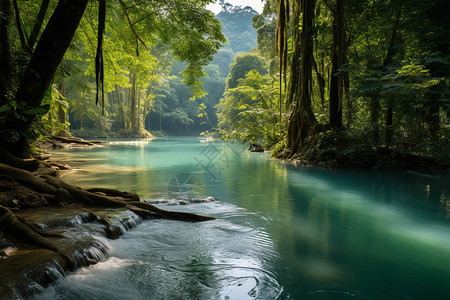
75	140
30	164
146	210
55	192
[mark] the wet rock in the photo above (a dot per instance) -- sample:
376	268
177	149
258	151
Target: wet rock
255	147
26	271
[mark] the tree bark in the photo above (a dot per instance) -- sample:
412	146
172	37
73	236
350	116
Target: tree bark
337	61
432	117
49	52
19	24
302	120
388	58
37	25
5	54
133	103
44	61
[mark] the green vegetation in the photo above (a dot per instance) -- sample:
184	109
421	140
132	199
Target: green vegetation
172	113
125	69
363	83
303	78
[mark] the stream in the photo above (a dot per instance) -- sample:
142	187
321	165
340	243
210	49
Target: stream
282	232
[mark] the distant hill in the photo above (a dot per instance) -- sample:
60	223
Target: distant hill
237	27
173	113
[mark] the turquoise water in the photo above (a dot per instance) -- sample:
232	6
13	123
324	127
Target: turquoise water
283	232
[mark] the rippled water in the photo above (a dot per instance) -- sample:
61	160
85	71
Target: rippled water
282	232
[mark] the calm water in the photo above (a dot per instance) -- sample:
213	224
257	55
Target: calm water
283	232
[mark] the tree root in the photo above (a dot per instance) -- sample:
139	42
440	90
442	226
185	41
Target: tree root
112	192
27	179
12	224
146	210
30	164
60	193
74	140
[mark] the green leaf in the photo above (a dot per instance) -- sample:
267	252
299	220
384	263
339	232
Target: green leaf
38	111
4	108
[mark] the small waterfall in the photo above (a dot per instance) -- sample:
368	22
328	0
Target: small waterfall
90	252
120	226
52	271
67	222
79	220
129	223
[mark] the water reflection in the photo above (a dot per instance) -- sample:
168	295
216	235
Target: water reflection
284	232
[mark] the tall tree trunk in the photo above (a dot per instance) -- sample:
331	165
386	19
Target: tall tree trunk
302	120
133	103
337	61
19	24
320	81
432	117
119	96
61	112
391	102
5	54
138	110
375	109
44	61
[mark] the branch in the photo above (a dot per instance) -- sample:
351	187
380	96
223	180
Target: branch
136	36
19	25
37	24
99	70
5	54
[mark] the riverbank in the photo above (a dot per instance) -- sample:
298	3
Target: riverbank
49	227
344	150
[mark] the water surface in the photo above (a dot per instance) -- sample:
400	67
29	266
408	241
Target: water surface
283	232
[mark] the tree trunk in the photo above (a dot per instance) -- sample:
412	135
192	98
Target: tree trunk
375	109
337	61
37	25
61	119
5	54
391	102
138	110
44	61
133	103
302	120
118	94
432	118
19	25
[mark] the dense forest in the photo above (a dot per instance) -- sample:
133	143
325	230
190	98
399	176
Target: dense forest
325	81
361	82
145	87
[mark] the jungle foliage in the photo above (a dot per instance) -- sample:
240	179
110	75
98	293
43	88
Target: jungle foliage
139	44
355	78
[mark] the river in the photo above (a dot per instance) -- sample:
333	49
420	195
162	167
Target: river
282	232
